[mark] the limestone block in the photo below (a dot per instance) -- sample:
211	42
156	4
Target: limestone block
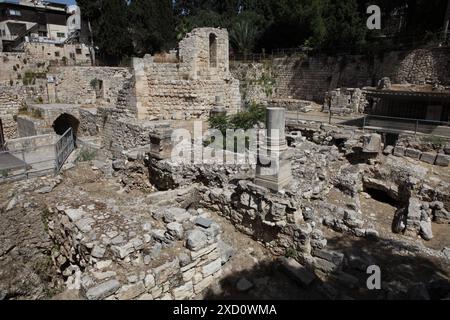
428	157
413	153
103	290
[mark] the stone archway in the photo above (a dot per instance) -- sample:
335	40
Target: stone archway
64	122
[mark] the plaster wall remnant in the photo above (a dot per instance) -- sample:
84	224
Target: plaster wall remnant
184	84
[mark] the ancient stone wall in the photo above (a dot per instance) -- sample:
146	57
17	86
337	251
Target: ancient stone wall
191	86
120	133
310	77
89	85
169	254
345	101
11	100
38	57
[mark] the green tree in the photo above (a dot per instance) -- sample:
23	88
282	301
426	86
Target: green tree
110	27
243	36
153	25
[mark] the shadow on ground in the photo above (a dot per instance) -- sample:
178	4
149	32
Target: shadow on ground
405	274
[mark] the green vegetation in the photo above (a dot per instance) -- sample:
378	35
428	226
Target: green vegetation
243	120
23	109
94	83
39	100
267	83
436	141
290	253
45	214
122	28
36	113
86	154
4	173
30	77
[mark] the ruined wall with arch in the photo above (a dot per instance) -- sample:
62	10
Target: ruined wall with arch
186	84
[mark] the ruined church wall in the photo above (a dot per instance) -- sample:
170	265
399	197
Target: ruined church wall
190	86
166	92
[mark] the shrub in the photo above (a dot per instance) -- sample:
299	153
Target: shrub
243	120
37	113
94	83
248	119
4	173
85	155
290	253
23	109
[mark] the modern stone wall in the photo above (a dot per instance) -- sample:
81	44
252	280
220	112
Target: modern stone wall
191	86
310	77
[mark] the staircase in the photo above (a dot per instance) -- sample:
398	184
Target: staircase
15	46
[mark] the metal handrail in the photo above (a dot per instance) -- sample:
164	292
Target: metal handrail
407	119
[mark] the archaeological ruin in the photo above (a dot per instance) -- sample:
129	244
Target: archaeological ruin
352	171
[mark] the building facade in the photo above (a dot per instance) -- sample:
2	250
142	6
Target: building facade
36	21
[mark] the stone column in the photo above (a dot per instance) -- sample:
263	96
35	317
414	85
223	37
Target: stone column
273	169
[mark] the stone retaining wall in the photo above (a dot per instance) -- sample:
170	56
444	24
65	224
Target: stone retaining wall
309	78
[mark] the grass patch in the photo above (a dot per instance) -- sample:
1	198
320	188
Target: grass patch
45	214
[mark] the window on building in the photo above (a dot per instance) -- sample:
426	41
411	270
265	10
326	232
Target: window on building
13	12
42	34
72	56
78	50
57	54
60	34
212	50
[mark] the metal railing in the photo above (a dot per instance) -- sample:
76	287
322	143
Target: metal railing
415	126
2	137
373	122
33	161
63	148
